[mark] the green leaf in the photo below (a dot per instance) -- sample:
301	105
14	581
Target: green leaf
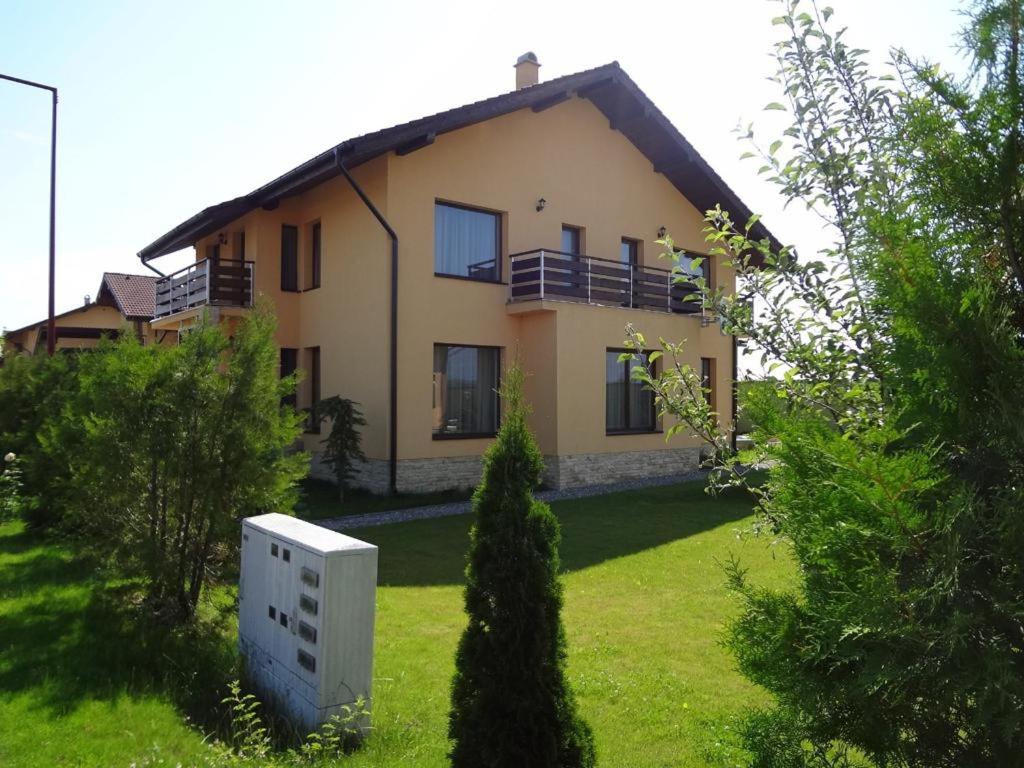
774	106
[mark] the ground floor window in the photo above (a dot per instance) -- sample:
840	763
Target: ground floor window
629	406
465	391
289	362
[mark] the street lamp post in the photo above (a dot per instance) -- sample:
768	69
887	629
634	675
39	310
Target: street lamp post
50	328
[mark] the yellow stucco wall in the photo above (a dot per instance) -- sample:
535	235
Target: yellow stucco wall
92	316
590	176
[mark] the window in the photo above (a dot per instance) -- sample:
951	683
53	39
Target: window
629	251
629	406
289	362
283	619
289	258
313	276
286	555
238	246
701	270
272	612
465	391
467	243
572	240
273	550
707	379
313	423
307	662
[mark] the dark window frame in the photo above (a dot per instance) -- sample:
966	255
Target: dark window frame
292	354
315	391
473	435
707	379
290	260
656	425
577	233
499	256
316	247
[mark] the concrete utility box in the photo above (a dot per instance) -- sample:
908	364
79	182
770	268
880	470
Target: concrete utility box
305	616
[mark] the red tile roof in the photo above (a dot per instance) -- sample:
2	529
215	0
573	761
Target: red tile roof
133	295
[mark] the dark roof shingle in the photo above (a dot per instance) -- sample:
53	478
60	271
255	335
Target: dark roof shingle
608	87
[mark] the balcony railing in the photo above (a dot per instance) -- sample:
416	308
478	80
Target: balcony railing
543	275
215	282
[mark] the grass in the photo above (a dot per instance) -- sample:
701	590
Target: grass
320	501
645	604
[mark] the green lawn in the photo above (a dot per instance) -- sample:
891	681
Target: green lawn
319	500
81	685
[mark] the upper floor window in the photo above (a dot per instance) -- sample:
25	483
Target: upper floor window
572	240
467	243
465	391
289	258
313	273
629	251
629	405
687	267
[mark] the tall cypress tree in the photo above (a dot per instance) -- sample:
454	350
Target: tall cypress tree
511	703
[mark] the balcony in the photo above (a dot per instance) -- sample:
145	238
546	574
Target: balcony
542	275
210	282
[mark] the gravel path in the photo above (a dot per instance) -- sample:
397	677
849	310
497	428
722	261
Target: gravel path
463	507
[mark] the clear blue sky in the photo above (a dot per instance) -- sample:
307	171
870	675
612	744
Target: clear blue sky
169	107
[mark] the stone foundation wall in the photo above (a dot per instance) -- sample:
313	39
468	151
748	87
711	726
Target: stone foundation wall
370	475
600	468
425	475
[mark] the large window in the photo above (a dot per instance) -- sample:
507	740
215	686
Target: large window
313	273
465	391
467	243
629	406
288	363
313	358
289	258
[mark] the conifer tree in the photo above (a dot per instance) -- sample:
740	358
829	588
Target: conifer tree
511	702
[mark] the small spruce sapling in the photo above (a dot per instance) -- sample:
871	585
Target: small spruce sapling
343	446
511	703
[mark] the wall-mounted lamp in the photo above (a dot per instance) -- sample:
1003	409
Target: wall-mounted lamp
662	232
222	239
541	204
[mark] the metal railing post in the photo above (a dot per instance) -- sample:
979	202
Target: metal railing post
631	286
542	275
589	272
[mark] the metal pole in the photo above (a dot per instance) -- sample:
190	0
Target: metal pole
50	324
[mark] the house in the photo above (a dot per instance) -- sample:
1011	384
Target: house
407	266
123	302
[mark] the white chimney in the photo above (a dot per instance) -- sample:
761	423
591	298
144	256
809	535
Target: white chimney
527	70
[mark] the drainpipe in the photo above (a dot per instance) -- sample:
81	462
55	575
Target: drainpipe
393	404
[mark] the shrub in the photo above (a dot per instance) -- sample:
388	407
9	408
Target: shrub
34	390
896	462
10	488
167	448
511	702
343	446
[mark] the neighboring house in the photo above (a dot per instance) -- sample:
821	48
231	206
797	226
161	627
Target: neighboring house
408	266
123	303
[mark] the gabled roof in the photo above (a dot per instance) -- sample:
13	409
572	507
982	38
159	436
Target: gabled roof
611	90
134	296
